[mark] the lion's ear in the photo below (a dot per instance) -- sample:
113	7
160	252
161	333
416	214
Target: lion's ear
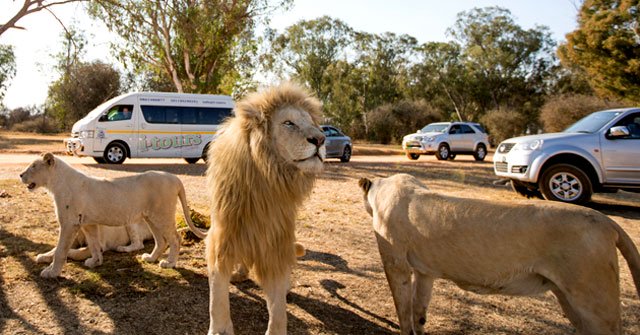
49	159
365	184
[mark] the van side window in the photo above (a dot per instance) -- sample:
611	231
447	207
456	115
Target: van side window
184	115
117	113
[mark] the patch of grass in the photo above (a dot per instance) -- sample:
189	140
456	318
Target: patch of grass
199	219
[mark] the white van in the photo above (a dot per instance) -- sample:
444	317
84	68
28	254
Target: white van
150	124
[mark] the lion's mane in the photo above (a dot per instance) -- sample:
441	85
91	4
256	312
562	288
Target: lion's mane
255	193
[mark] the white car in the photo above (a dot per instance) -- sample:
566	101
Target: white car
599	153
446	140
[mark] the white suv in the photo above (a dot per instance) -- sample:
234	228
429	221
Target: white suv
599	153
446	140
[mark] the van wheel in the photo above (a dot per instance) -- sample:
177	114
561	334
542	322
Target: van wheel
205	153
480	153
192	160
443	152
413	156
99	160
565	183
115	153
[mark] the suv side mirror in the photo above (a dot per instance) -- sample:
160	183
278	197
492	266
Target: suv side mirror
619	131
419	131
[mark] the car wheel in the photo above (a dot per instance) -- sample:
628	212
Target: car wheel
452	156
523	190
99	160
565	183
443	152
192	160
413	156
115	153
480	153
346	154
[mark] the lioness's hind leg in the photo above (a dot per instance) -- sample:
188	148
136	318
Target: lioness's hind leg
422	287
173	239
158	237
79	254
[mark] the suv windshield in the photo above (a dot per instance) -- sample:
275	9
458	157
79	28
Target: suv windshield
592	122
435	128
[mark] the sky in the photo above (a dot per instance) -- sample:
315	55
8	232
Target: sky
426	20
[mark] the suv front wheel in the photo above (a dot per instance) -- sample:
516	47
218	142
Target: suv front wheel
480	153
565	183
443	152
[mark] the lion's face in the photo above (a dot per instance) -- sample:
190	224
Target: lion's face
298	139
38	172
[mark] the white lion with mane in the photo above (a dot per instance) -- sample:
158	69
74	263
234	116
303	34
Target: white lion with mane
492	247
261	168
84	203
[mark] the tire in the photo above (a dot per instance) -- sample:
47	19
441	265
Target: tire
443	152
523	190
115	153
480	153
565	183
346	154
192	160
99	160
205	153
452	156
413	156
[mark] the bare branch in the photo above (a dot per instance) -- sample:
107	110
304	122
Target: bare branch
27	9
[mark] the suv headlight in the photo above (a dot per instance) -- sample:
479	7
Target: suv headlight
529	145
86	134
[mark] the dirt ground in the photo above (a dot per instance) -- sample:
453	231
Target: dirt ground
339	287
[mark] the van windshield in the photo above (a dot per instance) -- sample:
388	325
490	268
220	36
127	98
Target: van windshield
592	122
98	110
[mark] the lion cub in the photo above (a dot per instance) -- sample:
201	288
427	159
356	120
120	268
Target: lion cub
491	247
84	203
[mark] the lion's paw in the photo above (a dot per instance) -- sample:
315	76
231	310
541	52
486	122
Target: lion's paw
44	258
167	265
49	272
147	258
92	262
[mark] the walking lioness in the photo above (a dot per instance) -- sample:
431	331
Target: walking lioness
84	202
490	247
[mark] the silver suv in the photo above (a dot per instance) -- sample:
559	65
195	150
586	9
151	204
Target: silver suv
446	140
599	153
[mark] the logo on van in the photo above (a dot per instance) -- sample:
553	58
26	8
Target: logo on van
163	143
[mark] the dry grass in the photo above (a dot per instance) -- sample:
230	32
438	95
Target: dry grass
339	287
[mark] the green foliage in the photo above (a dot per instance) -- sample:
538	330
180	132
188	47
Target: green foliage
200	46
7	67
561	111
606	46
502	124
83	88
390	122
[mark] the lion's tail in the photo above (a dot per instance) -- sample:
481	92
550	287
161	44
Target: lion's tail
187	216
630	253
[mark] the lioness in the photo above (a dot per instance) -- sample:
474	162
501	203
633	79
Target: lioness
84	202
490	247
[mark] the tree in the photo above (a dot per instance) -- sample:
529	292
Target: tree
194	43
85	86
561	111
30	7
7	67
508	66
606	45
307	50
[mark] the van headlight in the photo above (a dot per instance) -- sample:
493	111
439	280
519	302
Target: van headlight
529	145
86	134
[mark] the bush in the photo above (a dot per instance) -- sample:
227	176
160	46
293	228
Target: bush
389	123
503	124
36	125
561	111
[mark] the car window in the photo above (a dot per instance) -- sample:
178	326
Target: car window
455	129
328	131
117	113
480	128
466	129
632	122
